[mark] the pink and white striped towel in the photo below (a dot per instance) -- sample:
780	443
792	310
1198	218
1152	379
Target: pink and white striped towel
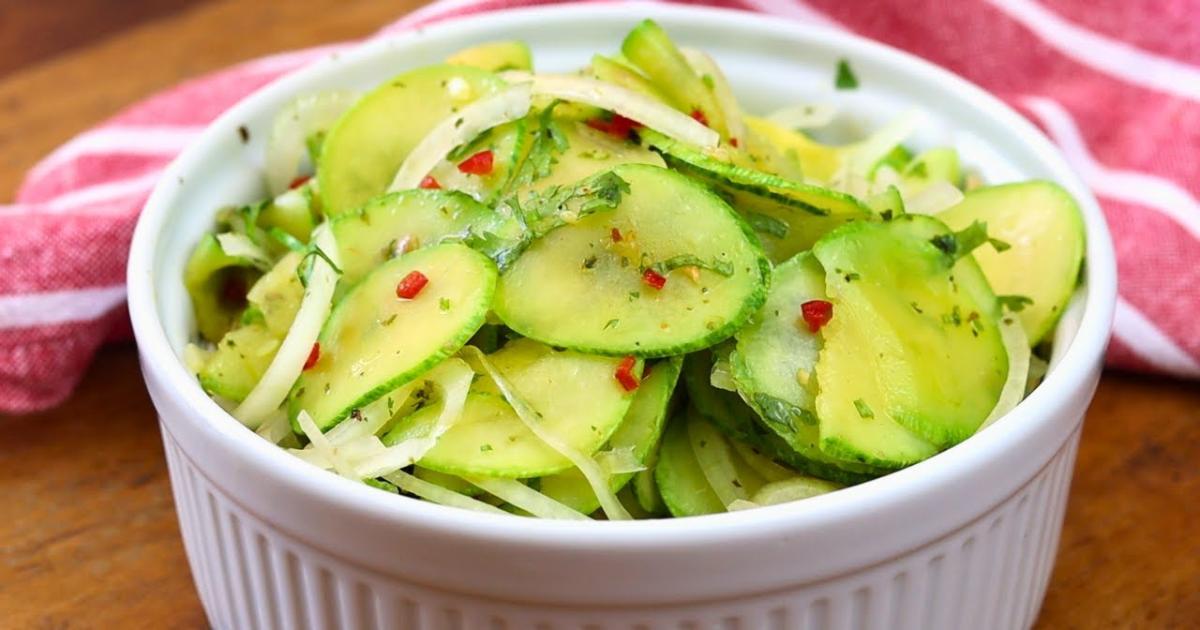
1115	84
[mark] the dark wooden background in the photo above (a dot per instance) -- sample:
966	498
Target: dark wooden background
88	536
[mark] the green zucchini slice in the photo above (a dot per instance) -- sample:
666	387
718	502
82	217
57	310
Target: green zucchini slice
495	56
1042	224
580	287
682	483
577	396
788	216
374	341
913	360
367	145
639	432
391	224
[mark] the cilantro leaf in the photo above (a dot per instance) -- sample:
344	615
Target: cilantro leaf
845	79
1014	303
767	224
663	267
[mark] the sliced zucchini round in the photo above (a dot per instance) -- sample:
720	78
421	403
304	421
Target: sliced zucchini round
788	216
495	56
639	432
581	287
680	480
793	443
374	341
391	224
1044	229
577	152
579	400
913	359
365	148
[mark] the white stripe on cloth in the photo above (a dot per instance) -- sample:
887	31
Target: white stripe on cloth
1143	189
151	140
795	10
1112	57
26	310
1145	340
82	198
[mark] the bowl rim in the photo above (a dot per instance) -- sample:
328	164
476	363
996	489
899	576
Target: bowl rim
1077	362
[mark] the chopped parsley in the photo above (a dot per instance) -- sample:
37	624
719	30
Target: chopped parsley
485	448
663	267
444	304
845	79
864	411
1014	303
958	244
305	268
612	323
557	206
767	224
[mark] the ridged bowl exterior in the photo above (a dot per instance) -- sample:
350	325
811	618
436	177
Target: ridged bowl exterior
965	540
989	574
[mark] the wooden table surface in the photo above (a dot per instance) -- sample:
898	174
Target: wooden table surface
88	536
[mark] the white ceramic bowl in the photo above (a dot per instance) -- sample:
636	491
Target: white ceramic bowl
964	540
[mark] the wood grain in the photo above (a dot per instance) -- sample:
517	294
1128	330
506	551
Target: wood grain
88	536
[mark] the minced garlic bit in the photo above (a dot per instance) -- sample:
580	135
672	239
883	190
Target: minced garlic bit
803	377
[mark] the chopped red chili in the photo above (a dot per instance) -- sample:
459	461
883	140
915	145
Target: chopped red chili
625	374
733	142
478	164
429	183
654	279
411	285
699	117
314	355
618	125
816	313
299	181
616	235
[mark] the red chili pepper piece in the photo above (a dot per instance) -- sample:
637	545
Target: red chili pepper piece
299	181
314	355
616	235
618	125
478	164
733	142
625	374
411	285
699	117
816	313
654	279
429	183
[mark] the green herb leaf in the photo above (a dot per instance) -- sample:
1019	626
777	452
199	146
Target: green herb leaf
549	142
864	410
252	315
958	244
470	147
767	224
1014	303
557	206
305	268
444	305
845	79
611	323
663	267
287	240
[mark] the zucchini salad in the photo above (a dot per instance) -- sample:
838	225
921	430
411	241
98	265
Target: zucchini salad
615	294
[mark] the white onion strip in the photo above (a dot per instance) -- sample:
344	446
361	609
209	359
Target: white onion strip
702	64
1016	342
762	464
619	461
811	116
716	461
240	246
868	152
291	128
591	470
632	105
321	445
934	198
436	494
526	498
275	427
273	387
454	376
460	128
